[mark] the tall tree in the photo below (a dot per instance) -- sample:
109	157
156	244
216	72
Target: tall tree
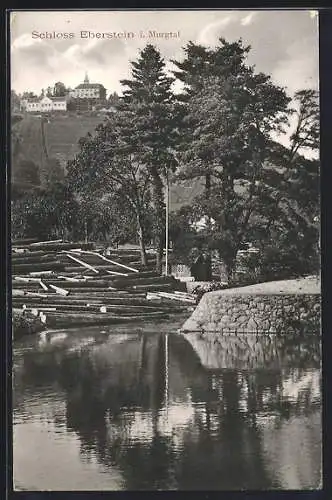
231	114
150	130
106	166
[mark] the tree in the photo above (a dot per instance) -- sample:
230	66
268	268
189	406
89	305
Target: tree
59	89
45	213
114	100
29	95
15	102
16	138
301	174
25	176
231	113
150	129
53	172
105	167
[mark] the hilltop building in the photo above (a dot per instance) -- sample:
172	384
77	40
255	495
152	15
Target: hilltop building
87	90
44	104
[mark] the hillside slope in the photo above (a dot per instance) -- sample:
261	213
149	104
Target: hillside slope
62	133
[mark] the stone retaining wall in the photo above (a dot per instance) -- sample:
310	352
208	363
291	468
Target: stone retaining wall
224	312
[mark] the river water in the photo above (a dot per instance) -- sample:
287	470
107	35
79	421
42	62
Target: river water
106	409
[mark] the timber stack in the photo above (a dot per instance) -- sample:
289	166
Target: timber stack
67	284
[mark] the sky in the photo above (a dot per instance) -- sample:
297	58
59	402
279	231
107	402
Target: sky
284	44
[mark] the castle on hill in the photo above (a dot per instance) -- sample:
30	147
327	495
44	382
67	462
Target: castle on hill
84	97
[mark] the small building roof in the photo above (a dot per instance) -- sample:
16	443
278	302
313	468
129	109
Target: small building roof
90	86
60	98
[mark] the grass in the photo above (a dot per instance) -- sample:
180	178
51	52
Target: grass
62	134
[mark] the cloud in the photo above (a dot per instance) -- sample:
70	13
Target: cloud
245	21
284	43
24	41
210	33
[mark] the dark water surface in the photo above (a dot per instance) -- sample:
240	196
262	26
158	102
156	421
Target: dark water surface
113	410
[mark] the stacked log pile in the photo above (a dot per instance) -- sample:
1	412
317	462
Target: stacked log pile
67	284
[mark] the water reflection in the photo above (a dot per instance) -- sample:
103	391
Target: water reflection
156	411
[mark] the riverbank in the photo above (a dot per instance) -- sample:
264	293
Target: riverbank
277	306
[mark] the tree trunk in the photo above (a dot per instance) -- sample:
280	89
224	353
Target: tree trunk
157	199
86	231
209	225
140	232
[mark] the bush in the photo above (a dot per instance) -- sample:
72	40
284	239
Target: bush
25	324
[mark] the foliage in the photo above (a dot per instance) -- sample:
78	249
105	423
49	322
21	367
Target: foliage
232	113
59	89
26	177
26	324
14	102
45	213
53	172
128	156
150	130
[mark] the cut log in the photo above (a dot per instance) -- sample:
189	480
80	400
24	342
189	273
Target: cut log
48	242
44	287
118	301
24	279
102	257
76	269
72	280
36	267
88	290
60	246
173	296
95	257
24	241
84	264
41	273
114	273
33	259
62	320
154	287
87	308
58	290
104	284
141	280
33	253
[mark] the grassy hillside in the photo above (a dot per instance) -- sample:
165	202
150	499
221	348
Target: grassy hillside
62	133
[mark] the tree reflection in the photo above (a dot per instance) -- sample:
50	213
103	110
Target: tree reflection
153	408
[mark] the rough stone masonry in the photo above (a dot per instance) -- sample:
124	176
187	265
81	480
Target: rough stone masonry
272	308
